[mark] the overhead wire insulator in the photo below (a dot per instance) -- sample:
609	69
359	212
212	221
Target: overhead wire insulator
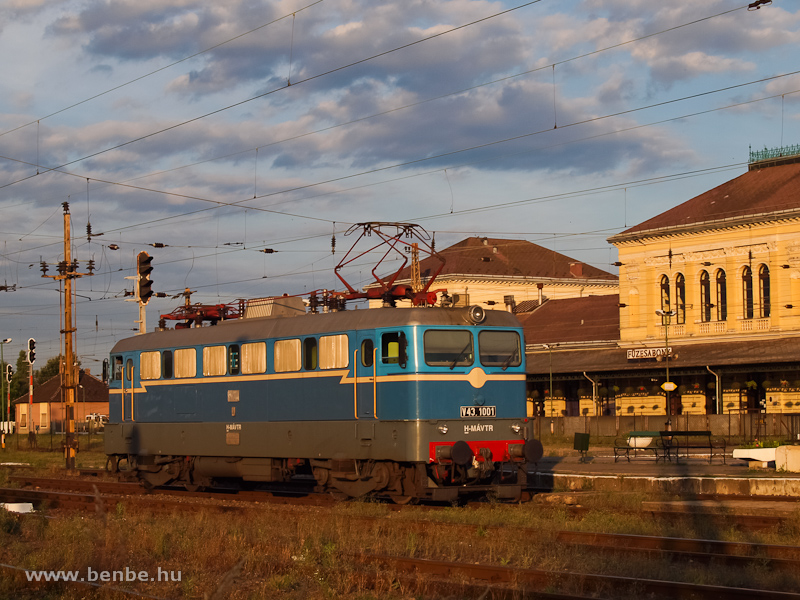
267	251
62	267
43	266
333	244
158	245
91	266
88	232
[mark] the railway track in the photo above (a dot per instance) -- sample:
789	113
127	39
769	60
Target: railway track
307	497
456	578
508	582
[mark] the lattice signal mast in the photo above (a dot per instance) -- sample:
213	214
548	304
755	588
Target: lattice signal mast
67	271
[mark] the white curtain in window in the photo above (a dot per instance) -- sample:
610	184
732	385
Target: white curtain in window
150	365
185	362
254	358
333	352
214	360
287	356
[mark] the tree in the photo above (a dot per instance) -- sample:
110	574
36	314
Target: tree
48	371
19	381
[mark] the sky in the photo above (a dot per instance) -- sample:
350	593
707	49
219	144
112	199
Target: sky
223	129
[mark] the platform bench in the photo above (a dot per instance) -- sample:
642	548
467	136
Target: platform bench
637	440
677	442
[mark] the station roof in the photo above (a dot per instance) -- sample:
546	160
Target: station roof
776	354
590	319
50	390
494	257
761	194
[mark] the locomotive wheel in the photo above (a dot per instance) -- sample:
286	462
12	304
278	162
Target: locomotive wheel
402	500
112	465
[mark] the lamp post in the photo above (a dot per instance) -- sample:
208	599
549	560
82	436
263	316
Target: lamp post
666	317
550	352
7	412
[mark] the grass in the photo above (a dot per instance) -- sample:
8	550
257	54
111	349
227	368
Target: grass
305	553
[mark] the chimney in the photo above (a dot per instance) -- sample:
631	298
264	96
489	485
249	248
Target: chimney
576	269
510	303
540	287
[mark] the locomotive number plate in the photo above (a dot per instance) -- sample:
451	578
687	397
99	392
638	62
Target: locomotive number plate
478	411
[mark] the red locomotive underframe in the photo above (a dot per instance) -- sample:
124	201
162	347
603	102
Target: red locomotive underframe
498	448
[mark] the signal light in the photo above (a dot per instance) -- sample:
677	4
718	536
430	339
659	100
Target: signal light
31	358
144	286
9	373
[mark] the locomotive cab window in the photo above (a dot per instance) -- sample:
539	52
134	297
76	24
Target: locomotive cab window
117	372
394	348
499	349
150	365
448	348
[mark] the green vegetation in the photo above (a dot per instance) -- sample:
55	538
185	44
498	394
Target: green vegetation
47	454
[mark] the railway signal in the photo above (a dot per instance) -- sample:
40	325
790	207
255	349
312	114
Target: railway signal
31	357
9	373
144	285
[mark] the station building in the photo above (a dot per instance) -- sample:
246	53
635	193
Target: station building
709	292
46	413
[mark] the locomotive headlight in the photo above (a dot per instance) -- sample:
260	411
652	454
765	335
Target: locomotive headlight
443	428
516	428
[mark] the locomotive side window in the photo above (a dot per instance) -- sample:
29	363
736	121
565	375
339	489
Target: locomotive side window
167	364
233	359
310	354
499	349
367	352
150	365
333	351
393	348
254	358
448	348
214	361
185	362
287	355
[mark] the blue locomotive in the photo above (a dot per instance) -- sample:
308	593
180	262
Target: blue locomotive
403	403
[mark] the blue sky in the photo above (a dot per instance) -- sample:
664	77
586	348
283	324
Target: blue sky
221	129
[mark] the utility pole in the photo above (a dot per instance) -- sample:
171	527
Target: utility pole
67	271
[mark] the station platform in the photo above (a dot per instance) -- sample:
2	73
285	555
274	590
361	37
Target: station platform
694	475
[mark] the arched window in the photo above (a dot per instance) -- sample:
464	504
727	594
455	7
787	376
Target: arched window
722	296
665	304
705	297
680	299
747	293
763	290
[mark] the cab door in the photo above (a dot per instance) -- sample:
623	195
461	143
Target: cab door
365	384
